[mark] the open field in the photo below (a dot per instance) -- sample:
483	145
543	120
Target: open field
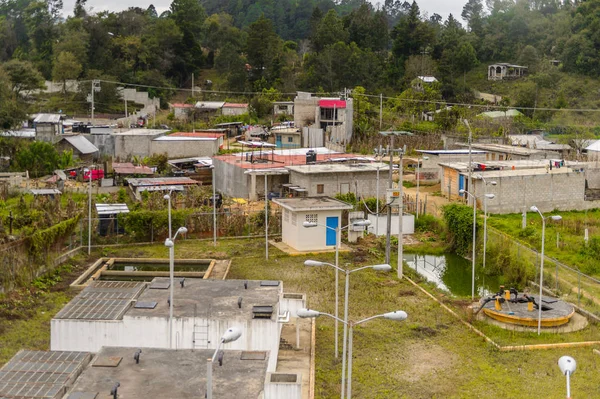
430	355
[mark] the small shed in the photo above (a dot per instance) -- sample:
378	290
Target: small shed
325	211
82	148
108	215
50	193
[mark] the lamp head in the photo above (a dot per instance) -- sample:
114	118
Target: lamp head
363	222
534	209
308	313
556	217
425	158
398	315
232	334
490	196
309	224
462	191
382	268
182	230
567	365
493	182
312	263
169	243
167	197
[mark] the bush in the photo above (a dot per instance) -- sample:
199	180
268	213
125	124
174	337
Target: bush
459	222
426	223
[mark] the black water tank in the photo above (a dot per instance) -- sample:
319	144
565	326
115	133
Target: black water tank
311	157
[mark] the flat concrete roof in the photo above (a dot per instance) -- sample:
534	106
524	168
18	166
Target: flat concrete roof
142	132
173	374
337	168
219	297
451	152
312	204
508	149
527	164
525	172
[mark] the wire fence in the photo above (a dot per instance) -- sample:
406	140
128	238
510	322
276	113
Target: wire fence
559	278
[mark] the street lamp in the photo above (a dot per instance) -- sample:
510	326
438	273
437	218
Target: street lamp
567	366
555	218
90	211
380	268
232	334
463	191
360	222
170	243
398	315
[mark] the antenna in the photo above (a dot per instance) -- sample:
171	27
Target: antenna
240	302
114	390
136	356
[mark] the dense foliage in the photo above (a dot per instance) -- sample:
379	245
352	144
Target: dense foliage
459	221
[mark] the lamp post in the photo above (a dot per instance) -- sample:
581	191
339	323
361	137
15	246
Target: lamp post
90	212
170	243
552	217
337	230
567	366
214	199
232	334
486	196
462	191
398	315
381	268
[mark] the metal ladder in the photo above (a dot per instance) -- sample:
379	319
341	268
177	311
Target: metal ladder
200	336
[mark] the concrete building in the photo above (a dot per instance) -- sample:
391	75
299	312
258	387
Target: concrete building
134	142
209	107
430	169
521	184
139	185
234	109
335	177
323	210
503	70
283	108
180	110
133	314
188	144
81	147
332	115
48	127
502	152
287	137
160	373
236	174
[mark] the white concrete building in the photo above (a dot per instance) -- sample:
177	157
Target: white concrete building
325	211
133	314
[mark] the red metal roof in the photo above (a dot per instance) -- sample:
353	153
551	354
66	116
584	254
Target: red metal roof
197	134
332	103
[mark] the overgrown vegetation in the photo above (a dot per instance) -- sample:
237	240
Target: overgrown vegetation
459	222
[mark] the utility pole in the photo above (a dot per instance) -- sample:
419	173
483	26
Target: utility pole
192	85
388	231
380	111
470	161
95	88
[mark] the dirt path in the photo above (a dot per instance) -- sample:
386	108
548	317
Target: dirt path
219	270
429	194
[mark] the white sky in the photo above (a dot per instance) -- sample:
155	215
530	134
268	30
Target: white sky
442	7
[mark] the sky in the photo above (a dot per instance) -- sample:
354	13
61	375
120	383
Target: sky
441	7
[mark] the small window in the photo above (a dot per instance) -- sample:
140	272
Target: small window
320	188
290	139
312	217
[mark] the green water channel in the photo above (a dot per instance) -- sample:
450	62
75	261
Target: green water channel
159	267
453	273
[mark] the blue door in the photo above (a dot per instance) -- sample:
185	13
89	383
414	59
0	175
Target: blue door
332	223
461	183
278	142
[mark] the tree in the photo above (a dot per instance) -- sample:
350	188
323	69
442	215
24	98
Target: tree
40	158
11	113
529	58
23	76
66	67
330	30
368	29
79	9
465	58
472	13
263	48
189	16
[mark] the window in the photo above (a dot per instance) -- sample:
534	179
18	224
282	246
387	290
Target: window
312	218
290	139
320	188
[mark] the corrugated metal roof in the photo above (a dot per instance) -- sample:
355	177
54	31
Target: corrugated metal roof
132	170
594	146
427	79
184	138
210	104
332	103
161	181
45	191
82	144
111	209
47	118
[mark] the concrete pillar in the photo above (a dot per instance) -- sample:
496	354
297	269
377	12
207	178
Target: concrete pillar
253	196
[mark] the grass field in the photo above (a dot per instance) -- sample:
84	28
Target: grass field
430	355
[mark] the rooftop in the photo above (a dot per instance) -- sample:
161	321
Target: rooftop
45	191
219	297
213	134
338	168
525	172
36	374
164	373
450	152
508	149
332	103
160	181
181	105
311	204
235	105
82	144
492	166
111	209
127	168
47	118
214	105
142	132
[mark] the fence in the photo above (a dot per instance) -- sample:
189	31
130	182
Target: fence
559	279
